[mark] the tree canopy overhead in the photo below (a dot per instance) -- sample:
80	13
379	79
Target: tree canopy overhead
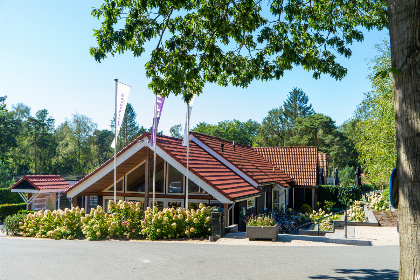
233	42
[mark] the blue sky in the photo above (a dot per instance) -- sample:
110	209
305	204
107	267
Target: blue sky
45	64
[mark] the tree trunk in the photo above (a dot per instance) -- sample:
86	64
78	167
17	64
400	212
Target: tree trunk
404	26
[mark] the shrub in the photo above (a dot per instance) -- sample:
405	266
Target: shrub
356	212
124	221
261	221
325	224
377	202
57	224
10	209
341	195
8	197
12	223
306	208
177	223
98	224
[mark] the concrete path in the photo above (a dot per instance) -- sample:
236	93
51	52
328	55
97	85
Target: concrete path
359	236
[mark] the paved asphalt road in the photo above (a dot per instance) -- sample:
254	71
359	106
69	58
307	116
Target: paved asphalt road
29	258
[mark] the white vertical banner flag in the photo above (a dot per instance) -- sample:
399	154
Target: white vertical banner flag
190	105
122	97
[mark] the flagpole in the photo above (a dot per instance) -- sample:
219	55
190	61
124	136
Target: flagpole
188	154
154	154
115	141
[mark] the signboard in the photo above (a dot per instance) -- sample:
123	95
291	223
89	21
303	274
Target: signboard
393	189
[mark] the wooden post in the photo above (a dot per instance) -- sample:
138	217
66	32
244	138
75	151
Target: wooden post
74	202
146	179
226	210
28	206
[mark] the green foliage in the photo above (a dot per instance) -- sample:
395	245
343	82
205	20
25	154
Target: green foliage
57	224
277	128
9	129
7	197
177	223
125	220
261	221
324	224
342	196
347	175
5	179
306	208
378	201
221	42
356	212
12	223
175	131
10	209
320	130
240	132
129	129
376	131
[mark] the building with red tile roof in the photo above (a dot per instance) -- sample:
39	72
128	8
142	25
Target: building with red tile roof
40	191
238	178
303	164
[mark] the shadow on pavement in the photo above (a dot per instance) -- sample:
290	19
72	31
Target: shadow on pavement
366	274
287	238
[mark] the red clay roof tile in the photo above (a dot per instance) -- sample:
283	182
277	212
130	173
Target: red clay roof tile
245	159
301	163
45	182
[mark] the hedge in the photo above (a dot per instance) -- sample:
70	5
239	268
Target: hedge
8	197
10	209
339	194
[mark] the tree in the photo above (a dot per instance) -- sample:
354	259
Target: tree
82	129
273	131
296	106
320	130
374	120
192	39
175	131
6	180
9	130
277	128
46	141
65	161
21	111
346	176
241	132
129	129
103	140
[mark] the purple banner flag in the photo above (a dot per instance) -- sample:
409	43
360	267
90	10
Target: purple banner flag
159	105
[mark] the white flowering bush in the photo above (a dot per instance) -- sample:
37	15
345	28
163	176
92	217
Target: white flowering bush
356	212
124	221
377	202
177	223
325	224
57	224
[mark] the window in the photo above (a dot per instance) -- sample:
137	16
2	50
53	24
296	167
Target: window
160	176
278	201
194	188
136	179
175	180
120	184
250	203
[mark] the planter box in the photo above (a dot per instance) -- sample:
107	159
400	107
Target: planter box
254	232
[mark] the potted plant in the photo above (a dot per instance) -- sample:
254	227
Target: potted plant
262	227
